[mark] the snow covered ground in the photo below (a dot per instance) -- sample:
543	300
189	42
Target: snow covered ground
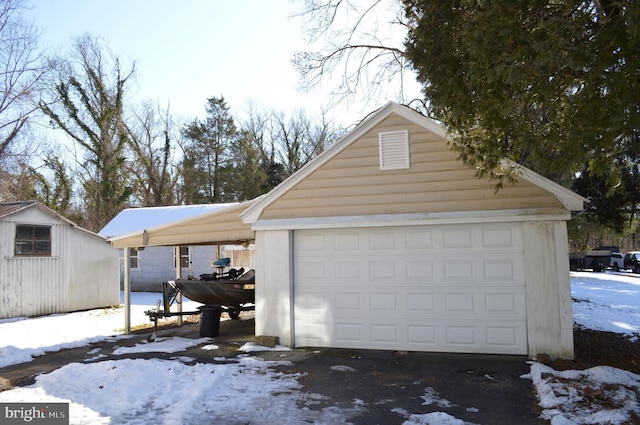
250	388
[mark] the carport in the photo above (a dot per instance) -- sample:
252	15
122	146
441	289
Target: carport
219	227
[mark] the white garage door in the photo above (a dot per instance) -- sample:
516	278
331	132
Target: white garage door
416	288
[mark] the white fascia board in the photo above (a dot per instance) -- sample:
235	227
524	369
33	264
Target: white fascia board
465	217
569	199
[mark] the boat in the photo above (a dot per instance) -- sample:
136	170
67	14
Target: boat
235	291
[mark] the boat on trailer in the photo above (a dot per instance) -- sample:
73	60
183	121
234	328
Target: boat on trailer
233	290
233	294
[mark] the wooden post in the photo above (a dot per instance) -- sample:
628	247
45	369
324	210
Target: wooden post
178	277
127	293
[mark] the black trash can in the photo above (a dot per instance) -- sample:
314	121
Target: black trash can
210	320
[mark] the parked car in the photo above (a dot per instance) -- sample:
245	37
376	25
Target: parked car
616	261
632	260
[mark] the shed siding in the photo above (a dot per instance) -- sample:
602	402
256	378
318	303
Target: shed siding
351	183
33	286
93	269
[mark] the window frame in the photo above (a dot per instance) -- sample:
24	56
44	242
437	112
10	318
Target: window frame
185	258
134	254
43	241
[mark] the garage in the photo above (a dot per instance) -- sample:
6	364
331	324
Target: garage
416	288
388	240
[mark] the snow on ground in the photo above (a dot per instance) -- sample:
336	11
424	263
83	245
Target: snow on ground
120	391
606	301
21	339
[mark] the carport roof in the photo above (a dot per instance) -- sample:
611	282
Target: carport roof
179	225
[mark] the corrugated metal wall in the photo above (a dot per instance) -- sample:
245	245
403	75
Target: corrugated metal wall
81	273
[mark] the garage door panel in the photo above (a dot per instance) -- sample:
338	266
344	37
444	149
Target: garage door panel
421	303
429	288
436	303
448	239
385	333
349	333
480	271
481	267
348	302
313	270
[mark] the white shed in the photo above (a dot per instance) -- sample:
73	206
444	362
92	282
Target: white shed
388	241
50	265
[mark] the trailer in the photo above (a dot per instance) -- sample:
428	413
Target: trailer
596	260
231	291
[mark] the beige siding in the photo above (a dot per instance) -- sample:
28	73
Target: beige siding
351	183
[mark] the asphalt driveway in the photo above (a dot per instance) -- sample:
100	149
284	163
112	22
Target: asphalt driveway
478	389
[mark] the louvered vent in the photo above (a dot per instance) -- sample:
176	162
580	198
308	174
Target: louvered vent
394	149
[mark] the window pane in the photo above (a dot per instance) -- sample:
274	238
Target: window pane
24	232
42	247
41	233
24	247
33	240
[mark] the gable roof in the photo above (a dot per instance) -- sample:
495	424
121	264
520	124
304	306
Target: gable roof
10	208
393	112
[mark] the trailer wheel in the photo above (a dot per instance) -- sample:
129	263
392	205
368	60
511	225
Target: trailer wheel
234	313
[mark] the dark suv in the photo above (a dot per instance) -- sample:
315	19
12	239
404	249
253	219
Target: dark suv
632	260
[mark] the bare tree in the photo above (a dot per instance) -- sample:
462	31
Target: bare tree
357	46
88	106
21	70
151	137
299	138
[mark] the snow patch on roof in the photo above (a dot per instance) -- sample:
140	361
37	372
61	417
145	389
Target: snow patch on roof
133	220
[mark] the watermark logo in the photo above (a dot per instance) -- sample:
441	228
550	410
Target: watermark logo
34	413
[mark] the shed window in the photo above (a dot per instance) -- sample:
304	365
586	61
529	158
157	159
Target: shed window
394	149
33	240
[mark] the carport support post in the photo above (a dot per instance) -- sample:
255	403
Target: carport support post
176	250
127	293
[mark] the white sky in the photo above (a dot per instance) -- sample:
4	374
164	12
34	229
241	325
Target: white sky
191	50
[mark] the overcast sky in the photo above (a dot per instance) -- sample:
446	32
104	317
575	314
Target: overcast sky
189	50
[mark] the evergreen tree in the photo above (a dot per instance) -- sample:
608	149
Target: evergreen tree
548	84
207	154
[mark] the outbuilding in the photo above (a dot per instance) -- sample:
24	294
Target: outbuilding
49	265
388	241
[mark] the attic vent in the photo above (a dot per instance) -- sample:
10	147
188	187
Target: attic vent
394	149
